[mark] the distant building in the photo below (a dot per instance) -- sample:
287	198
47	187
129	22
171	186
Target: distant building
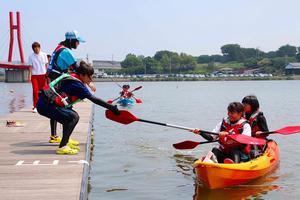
292	68
101	65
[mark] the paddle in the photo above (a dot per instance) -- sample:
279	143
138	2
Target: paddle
111	101
227	139
118	85
188	144
283	131
286	130
137	100
135	89
126	117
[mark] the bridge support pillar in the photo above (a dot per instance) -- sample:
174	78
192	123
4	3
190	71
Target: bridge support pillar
16	75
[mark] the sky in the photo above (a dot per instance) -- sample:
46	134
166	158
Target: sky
114	28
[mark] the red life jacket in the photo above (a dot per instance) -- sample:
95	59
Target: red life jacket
237	128
126	94
59	98
253	122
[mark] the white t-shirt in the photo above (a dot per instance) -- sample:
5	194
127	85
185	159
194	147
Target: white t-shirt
38	62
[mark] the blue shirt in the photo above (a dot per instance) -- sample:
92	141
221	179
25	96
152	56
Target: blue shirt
65	59
75	88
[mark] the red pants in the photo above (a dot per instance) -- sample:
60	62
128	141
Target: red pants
38	82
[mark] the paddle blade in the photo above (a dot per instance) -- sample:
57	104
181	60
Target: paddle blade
244	139
186	145
288	130
110	101
125	117
138	100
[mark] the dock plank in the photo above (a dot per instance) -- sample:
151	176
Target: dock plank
29	167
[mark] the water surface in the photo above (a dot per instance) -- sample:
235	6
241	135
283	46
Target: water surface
137	161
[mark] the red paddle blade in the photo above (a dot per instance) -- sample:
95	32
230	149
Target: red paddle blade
288	130
186	145
138	101
125	117
110	101
244	139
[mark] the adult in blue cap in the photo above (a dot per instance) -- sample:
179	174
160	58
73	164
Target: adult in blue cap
63	58
63	61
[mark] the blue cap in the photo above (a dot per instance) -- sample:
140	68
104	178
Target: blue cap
74	35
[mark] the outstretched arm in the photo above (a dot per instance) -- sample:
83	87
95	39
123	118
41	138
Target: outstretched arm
102	103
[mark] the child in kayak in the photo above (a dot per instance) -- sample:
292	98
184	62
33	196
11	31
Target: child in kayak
234	123
255	117
257	122
56	100
125	92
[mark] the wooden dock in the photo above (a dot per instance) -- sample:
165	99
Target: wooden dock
29	166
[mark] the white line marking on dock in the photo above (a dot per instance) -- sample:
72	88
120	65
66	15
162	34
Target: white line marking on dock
36	163
80	162
20	162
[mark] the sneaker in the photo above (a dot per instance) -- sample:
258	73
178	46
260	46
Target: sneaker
72	146
57	139
74	142
34	110
66	150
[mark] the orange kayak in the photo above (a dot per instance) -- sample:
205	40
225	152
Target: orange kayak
220	175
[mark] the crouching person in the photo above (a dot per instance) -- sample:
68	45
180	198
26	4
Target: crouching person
56	100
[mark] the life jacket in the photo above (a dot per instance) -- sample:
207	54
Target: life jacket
237	128
54	71
126	94
54	95
253	122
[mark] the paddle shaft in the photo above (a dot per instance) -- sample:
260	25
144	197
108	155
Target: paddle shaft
206	142
175	126
115	99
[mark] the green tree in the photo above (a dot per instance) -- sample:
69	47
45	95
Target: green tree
287	50
232	52
280	62
152	66
217	58
271	54
132	64
187	62
264	62
249	53
210	67
250	62
203	59
298	57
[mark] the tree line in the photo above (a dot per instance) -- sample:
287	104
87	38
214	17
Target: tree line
248	58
